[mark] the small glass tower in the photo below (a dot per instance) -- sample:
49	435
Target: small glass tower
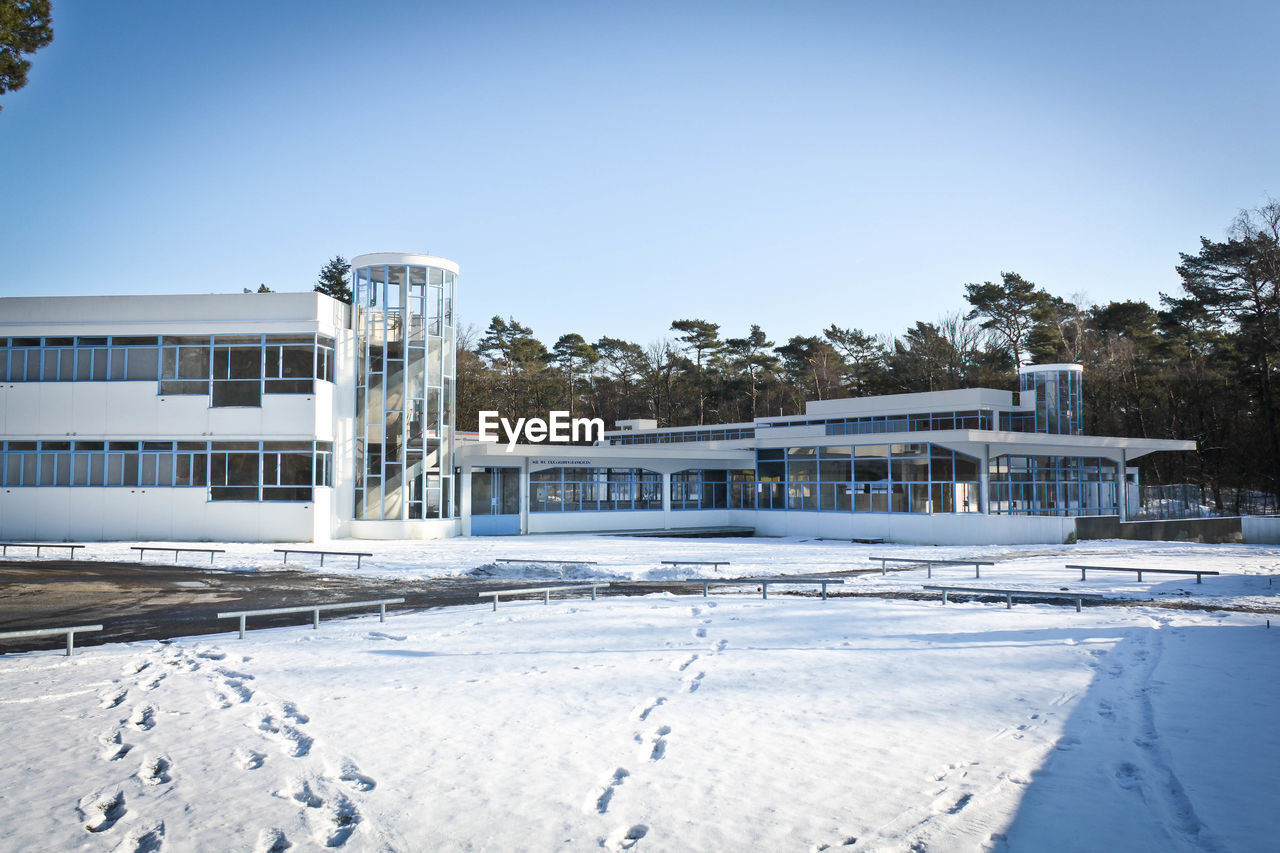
1057	390
405	383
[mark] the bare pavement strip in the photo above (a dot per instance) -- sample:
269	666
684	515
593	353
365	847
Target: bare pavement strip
148	601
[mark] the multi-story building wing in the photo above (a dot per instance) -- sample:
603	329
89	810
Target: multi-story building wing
293	416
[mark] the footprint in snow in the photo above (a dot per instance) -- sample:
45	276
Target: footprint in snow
682	664
248	759
641	712
600	798
271	841
692	684
155	770
149	839
114	747
143	718
625	837
112	697
101	811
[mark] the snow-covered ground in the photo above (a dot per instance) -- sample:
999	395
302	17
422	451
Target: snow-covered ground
1244	567
676	722
659	723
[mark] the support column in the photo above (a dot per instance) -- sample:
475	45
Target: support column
463	490
984	480
524	494
1122	485
666	500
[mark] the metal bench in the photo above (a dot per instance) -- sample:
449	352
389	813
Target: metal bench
359	555
1010	594
545	590
5	546
929	564
764	583
314	610
52	632
143	549
715	565
1197	572
548	562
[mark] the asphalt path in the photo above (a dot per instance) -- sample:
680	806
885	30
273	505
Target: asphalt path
148	601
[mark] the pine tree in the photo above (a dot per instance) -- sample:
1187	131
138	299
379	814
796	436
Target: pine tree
333	279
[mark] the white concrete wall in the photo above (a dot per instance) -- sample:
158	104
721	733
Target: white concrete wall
1260	530
586	522
440	528
133	410
85	514
911	528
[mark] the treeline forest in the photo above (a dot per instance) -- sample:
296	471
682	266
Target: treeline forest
1200	364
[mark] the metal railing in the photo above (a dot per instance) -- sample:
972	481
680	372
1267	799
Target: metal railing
929	564
52	632
545	590
313	609
1010	594
1199	573
359	555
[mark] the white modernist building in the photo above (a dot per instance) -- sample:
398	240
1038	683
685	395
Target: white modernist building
293	416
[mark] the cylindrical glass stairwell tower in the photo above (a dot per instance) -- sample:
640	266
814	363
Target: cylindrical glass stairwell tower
405	382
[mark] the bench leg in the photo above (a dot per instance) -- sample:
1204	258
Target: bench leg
1082	574
1198	576
929	569
764	590
546	598
977	570
1078	604
1008	602
382	613
824	592
322	560
358	559
315	619
495	604
242	618
704	589
593	593
882	570
211	558
70	642
944	596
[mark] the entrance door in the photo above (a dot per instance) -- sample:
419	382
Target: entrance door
495	501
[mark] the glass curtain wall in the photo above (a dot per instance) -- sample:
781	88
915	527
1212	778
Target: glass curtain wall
919	478
404	392
1053	485
1058	397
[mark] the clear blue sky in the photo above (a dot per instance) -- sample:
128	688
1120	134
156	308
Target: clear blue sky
607	167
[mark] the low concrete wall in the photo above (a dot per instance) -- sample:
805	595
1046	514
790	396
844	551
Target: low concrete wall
1261	529
1169	530
911	528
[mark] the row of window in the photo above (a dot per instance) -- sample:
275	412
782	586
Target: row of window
230	470
983	419
1058	398
865	463
594	489
677	437
234	370
1053	485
